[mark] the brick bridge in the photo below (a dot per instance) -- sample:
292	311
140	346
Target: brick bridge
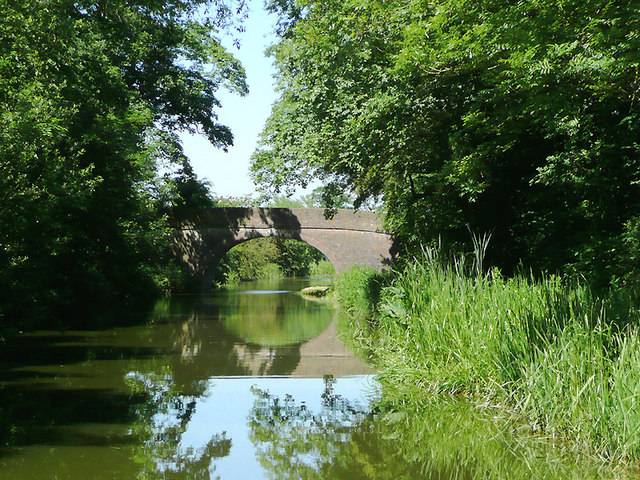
348	238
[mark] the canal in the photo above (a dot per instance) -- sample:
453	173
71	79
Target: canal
248	383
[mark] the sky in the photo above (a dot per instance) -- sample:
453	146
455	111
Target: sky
229	172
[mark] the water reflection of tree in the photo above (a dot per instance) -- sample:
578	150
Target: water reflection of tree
161	422
274	320
172	380
145	376
446	440
294	442
197	349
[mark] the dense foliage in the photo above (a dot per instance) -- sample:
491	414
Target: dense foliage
268	258
92	95
320	197
516	118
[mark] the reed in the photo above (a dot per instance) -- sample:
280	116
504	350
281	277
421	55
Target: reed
548	349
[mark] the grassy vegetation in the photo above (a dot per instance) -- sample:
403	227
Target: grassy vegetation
560	357
322	267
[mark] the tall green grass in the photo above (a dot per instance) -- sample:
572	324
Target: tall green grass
323	267
358	291
563	359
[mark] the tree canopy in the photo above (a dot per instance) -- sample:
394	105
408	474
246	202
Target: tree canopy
92	96
518	119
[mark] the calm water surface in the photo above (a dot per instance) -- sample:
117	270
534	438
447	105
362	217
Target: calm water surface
245	384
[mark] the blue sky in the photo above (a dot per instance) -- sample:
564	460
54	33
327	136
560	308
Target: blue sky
229	172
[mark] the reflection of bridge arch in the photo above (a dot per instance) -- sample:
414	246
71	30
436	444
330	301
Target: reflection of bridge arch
348	238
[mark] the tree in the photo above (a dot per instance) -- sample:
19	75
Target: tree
519	119
92	95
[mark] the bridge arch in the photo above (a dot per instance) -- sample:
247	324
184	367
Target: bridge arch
348	238
266	234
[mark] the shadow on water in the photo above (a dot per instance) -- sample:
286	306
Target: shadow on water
118	397
27	350
31	414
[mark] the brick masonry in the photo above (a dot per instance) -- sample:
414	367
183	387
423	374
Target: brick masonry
348	238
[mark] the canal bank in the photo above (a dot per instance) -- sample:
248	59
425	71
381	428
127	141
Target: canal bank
552	355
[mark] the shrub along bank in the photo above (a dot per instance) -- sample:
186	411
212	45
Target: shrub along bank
566	361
